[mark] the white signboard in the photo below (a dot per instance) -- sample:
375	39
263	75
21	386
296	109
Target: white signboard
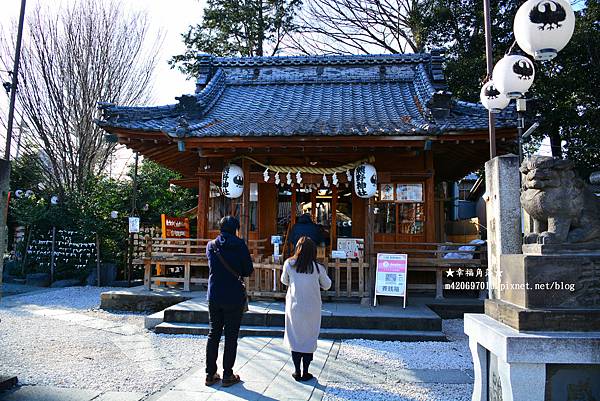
353	247
390	278
409	192
134	225
338	255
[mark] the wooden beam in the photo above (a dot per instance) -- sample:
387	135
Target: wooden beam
369	251
294	206
333	230
203	199
429	200
245	210
313	204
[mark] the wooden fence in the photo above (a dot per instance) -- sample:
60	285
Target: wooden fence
432	257
164	257
352	278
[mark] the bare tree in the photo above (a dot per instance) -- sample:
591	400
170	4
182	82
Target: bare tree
361	26
72	58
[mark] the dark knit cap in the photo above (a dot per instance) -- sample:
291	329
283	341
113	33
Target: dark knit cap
229	224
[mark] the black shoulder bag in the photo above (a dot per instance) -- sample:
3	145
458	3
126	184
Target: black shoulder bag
240	278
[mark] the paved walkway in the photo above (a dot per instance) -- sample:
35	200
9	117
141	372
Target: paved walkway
265	367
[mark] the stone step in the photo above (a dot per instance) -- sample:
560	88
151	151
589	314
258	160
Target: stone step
7	382
326	333
413	318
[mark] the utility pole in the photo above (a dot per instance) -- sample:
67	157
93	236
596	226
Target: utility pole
133	211
5	164
490	66
20	137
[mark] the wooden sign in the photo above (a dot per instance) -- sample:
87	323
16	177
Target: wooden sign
390	278
175	227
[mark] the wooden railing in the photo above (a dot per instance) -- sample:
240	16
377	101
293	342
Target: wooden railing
164	256
350	279
427	256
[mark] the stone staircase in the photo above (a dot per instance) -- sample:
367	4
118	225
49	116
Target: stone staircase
339	321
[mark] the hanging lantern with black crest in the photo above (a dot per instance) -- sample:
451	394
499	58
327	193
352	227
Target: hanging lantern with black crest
232	181
544	27
365	180
513	75
492	99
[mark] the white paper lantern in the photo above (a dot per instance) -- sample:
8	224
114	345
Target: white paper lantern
365	180
114	214
28	193
232	181
54	200
492	99
544	27
513	75
19	193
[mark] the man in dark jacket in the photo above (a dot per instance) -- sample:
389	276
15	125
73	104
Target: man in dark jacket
225	298
305	227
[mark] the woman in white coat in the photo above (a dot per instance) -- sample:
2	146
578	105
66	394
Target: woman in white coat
305	278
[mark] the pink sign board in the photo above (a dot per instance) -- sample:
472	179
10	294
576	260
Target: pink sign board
390	278
391	263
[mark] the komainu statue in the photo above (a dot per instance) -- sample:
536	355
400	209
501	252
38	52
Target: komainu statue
563	208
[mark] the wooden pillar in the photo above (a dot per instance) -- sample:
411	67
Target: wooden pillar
313	203
429	199
359	218
294	205
267	211
370	256
203	198
333	231
245	209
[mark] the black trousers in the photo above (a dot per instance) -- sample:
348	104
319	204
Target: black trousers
222	318
306	359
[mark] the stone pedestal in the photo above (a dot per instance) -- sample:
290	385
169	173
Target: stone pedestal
532	366
550	288
540	339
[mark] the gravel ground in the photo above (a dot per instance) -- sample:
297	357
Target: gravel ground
389	356
76	298
399	392
42	350
453	354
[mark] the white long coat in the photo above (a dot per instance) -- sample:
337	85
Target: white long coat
303	306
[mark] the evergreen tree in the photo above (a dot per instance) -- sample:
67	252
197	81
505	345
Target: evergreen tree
565	100
238	28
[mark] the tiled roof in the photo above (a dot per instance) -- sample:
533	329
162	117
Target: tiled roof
317	95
